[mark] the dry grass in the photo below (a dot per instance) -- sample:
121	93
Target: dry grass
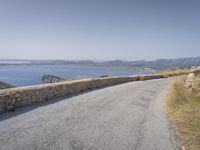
141	77
173	72
78	79
183	108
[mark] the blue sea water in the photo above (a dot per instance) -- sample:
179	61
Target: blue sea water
22	75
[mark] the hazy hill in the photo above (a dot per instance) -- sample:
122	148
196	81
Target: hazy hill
156	64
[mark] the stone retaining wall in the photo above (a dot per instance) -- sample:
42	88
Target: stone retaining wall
10	99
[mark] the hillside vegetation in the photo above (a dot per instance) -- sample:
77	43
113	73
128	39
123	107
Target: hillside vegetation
183	109
174	71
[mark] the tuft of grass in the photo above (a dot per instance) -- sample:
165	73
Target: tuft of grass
183	109
104	76
174	72
141	77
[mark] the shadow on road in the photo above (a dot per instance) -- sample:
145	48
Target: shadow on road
25	109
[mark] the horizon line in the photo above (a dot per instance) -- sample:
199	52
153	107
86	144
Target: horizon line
95	60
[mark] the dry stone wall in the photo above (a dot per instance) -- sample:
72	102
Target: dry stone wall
10	99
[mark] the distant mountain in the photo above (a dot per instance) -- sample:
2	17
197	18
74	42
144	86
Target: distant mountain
156	64
142	64
174	63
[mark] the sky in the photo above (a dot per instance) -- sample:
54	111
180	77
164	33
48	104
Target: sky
99	29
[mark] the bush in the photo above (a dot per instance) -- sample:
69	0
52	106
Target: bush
103	76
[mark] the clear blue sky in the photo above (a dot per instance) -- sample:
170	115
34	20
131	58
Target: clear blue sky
99	29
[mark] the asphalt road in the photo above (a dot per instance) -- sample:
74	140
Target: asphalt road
129	116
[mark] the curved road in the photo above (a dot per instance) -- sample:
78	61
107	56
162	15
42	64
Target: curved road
129	116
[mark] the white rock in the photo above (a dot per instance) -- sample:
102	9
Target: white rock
189	80
195	69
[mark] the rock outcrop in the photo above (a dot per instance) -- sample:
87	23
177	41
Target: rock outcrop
189	80
4	85
193	79
51	78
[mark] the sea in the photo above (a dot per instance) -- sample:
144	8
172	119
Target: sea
24	75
